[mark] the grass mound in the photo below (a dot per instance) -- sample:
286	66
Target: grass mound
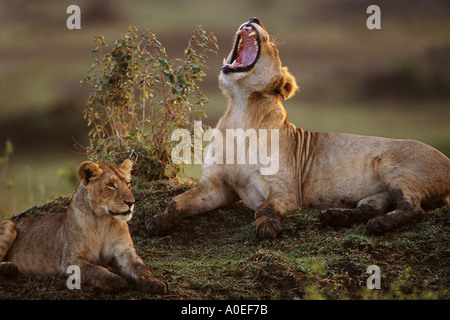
215	256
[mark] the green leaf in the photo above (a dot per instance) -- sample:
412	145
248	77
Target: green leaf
169	75
164	63
145	98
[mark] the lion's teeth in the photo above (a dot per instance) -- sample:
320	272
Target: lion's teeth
224	61
233	64
239	32
252	34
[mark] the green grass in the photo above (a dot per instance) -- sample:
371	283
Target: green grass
215	256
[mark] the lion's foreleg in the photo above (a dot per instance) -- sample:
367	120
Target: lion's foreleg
268	215
267	222
208	194
97	276
131	266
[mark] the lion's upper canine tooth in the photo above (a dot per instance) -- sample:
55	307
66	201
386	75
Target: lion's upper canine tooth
233	64
239	32
252	34
224	61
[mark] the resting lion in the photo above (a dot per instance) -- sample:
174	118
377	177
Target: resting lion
92	234
356	179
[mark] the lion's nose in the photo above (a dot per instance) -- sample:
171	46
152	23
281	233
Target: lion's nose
129	203
255	20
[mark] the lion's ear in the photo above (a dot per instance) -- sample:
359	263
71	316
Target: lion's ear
87	171
126	167
289	85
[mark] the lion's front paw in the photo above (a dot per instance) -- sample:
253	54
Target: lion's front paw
114	284
154	286
265	227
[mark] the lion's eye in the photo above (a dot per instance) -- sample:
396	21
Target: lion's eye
111	186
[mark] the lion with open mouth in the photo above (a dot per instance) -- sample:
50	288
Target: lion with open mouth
384	183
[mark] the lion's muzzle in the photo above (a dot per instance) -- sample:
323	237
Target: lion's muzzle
246	50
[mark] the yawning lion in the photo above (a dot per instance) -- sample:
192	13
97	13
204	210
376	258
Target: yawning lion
382	182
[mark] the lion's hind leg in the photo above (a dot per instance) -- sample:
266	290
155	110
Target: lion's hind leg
366	209
407	210
8	234
412	180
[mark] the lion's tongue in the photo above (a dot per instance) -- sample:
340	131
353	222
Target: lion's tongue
246	56
247	50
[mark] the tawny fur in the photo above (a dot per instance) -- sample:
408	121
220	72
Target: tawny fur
382	182
92	234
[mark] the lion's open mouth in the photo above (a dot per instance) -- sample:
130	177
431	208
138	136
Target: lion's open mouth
246	50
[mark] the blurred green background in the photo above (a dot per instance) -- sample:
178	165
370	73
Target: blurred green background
393	82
